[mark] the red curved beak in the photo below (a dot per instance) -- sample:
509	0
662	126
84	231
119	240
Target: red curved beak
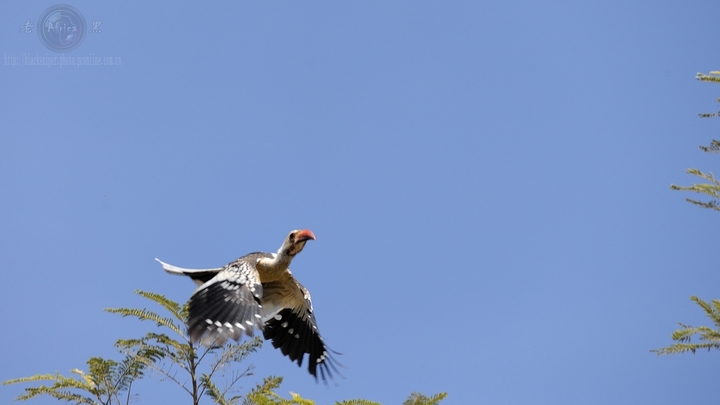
305	235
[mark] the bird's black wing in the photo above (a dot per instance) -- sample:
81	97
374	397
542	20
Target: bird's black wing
293	329
228	305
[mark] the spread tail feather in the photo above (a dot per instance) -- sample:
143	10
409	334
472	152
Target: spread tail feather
199	276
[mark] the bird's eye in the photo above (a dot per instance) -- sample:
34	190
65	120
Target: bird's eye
292	237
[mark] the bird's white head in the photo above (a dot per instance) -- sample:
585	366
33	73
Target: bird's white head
295	242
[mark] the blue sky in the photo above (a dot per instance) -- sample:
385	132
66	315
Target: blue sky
488	183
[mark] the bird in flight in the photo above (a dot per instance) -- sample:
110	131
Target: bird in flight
258	291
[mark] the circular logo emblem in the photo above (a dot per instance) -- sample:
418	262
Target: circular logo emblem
61	28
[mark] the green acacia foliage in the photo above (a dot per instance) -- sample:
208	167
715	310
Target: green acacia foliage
105	382
171	356
169	353
711	187
713	76
708	338
417	398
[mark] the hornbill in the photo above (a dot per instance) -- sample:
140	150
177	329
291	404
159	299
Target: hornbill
258	291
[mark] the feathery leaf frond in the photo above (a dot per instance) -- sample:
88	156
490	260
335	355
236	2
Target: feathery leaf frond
417	398
713	76
708	338
357	402
172	306
713	187
146	315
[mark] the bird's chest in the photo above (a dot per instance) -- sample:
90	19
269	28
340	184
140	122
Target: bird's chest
270	273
